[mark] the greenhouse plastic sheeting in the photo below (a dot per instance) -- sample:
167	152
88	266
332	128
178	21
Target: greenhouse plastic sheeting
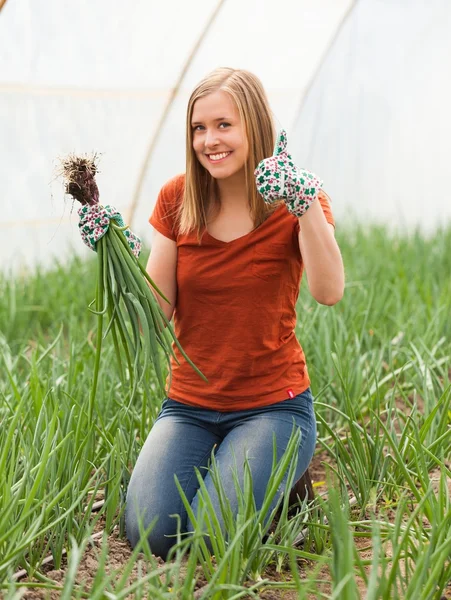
362	88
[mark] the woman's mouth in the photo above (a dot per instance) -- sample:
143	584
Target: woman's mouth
216	158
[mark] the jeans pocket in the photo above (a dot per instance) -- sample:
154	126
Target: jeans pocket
305	396
302	406
162	408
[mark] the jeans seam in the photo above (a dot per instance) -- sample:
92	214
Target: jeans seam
187	484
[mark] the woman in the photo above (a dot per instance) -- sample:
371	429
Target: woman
229	249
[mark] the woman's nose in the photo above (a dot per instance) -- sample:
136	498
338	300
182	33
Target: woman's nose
211	139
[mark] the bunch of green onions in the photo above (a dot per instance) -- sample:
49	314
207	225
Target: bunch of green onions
124	293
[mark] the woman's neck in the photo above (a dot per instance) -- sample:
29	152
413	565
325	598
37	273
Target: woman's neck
233	191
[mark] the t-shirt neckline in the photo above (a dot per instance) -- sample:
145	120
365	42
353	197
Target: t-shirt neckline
242	237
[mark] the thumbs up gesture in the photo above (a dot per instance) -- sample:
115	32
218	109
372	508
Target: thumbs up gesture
277	177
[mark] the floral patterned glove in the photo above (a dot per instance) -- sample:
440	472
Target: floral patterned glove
278	177
94	222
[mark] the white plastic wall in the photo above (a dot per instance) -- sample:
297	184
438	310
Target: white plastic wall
363	90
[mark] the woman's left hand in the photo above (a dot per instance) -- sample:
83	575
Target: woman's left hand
278	177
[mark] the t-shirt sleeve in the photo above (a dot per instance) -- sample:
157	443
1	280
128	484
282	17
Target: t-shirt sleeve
325	205
164	215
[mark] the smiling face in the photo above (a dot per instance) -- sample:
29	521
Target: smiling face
218	134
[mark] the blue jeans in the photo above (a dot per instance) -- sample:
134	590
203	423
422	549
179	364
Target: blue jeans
183	437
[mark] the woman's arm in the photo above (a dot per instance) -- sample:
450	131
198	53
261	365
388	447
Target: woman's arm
277	177
321	256
161	267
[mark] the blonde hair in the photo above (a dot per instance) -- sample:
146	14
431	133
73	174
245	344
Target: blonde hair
201	192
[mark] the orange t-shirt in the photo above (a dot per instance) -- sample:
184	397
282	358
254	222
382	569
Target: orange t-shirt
235	311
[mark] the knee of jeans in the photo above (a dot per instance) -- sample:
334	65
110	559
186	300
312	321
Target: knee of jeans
191	528
200	523
160	538
132	524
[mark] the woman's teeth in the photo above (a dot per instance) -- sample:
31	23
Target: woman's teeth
218	156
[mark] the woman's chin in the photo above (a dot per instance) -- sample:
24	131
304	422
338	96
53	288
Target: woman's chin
222	174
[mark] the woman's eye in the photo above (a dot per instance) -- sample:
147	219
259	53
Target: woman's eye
224	124
197	127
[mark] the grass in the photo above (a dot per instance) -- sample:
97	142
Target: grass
380	368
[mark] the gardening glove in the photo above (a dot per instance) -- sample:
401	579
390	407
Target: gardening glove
94	222
278	177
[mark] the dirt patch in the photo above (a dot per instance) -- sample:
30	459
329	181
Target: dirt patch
435	475
318	468
119	552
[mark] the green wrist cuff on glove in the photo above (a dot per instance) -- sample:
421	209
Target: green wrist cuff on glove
94	223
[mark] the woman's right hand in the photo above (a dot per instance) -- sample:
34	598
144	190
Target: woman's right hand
94	222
